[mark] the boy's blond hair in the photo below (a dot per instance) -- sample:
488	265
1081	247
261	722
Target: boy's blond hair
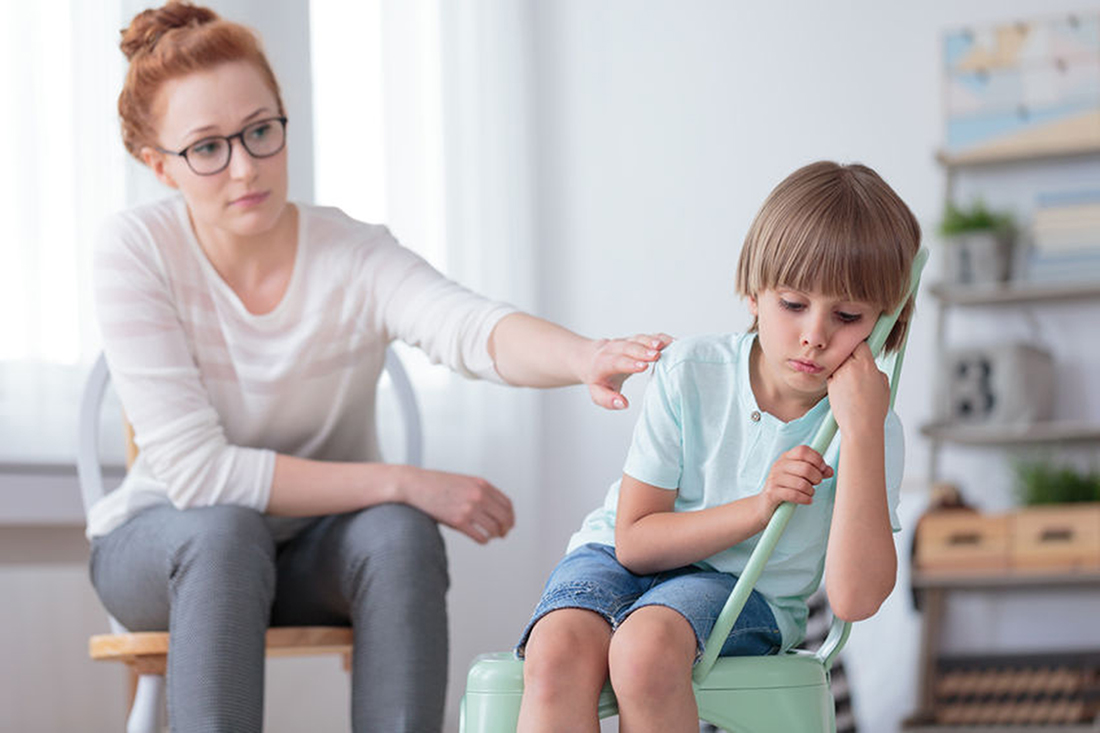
835	229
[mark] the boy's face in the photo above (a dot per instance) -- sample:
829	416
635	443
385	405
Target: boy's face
804	337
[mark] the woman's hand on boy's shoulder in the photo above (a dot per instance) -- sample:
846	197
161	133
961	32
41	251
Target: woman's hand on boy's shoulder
859	393
614	360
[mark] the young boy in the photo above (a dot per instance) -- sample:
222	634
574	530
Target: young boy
718	446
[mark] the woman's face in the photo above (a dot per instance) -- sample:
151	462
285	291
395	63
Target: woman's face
248	197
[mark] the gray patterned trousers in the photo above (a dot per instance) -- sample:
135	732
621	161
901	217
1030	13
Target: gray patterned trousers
216	579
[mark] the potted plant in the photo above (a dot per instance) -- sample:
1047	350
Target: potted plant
980	244
1043	482
1059	529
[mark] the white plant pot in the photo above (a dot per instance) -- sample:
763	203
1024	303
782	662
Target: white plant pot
978	257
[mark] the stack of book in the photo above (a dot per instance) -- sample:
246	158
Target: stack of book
1065	238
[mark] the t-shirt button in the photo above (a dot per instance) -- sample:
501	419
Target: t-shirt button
755	416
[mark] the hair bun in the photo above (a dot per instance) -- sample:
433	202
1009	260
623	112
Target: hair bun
149	26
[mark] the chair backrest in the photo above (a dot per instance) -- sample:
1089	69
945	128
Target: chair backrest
838	633
88	466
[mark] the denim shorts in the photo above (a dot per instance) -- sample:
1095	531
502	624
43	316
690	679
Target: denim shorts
591	578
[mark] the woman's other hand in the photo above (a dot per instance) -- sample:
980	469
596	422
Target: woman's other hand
613	360
469	504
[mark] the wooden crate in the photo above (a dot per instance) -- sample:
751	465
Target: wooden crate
1063	536
956	541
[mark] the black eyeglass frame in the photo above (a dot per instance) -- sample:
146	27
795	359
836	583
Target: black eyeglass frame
239	135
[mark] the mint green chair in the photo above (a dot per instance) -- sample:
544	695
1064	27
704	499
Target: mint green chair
788	692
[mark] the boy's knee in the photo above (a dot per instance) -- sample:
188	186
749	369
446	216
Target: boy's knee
648	651
566	647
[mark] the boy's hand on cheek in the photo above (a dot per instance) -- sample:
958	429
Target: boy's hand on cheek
859	393
792	478
613	360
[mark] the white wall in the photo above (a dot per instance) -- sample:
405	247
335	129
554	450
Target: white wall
658	129
661	127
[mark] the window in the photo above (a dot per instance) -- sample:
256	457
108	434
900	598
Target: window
378	139
378	129
62	177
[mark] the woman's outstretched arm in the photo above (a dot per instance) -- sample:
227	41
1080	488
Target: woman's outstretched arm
532	352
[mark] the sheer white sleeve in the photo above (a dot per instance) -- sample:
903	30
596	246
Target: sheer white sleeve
179	434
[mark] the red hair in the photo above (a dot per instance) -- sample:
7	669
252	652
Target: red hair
173	41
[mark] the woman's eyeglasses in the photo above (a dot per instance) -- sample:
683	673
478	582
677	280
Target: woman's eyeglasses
211	155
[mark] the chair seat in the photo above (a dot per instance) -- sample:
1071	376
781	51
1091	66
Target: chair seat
788	692
502	672
147	651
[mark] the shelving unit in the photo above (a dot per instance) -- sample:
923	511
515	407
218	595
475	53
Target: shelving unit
1054	151
1033	579
1022	133
1012	293
950	296
1057	432
1086	728
934	588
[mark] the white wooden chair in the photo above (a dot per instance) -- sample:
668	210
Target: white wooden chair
146	653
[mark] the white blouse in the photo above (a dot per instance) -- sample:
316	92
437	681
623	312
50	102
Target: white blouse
214	392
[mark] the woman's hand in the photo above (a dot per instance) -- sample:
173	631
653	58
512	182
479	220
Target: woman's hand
792	478
532	352
613	360
859	393
469	504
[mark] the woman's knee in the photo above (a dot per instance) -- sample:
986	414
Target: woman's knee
399	533
224	525
141	569
223	538
393	544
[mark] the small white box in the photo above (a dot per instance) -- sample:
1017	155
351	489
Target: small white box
1005	384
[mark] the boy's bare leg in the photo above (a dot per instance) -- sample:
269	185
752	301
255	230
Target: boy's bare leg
564	671
650	657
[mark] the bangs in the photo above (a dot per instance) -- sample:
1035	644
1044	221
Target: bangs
832	237
841	257
838	230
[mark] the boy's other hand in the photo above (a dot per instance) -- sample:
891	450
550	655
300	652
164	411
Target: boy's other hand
859	393
792	478
613	360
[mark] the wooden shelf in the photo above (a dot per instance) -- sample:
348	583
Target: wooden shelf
1029	434
1009	293
1005	579
1077	728
980	159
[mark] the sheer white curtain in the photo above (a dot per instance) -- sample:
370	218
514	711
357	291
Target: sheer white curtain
60	70
423	121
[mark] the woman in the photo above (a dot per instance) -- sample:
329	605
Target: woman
245	336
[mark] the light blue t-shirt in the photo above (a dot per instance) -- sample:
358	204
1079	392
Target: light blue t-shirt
702	434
